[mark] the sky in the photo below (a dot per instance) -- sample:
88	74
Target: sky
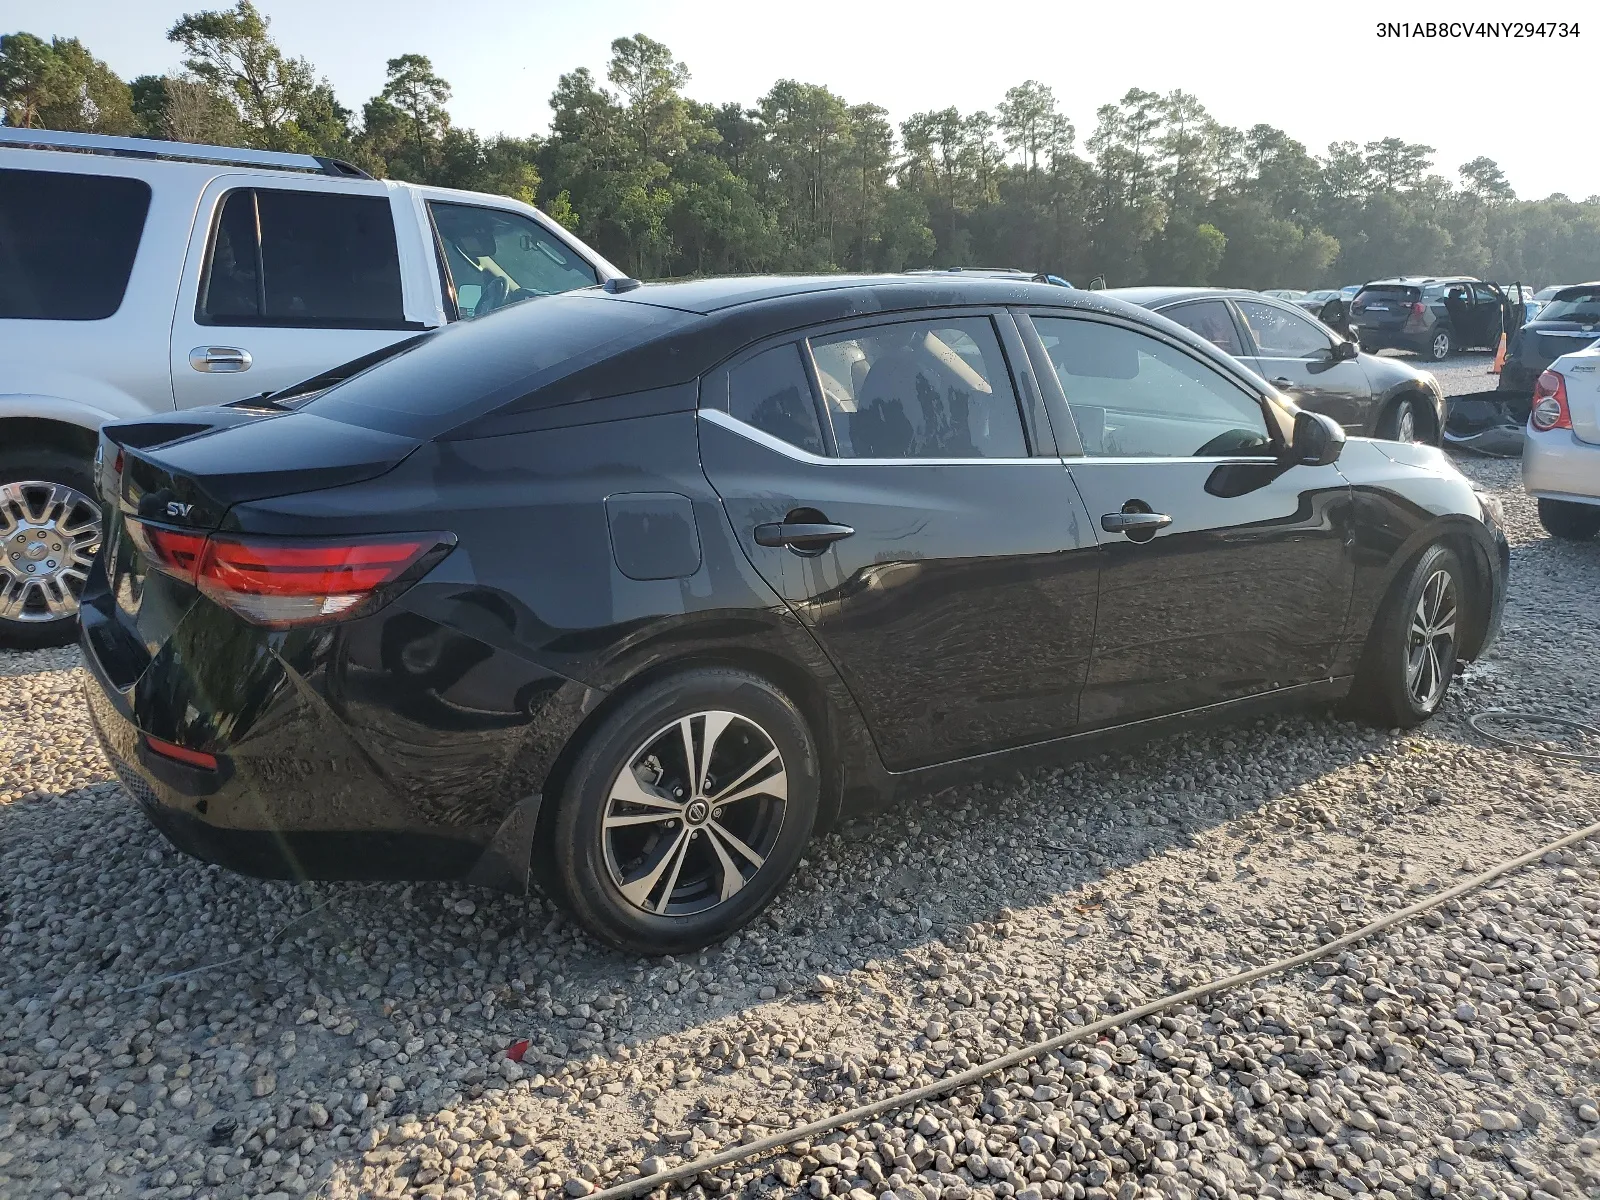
1318	71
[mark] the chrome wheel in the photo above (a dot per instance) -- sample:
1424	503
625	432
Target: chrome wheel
1405	429
49	533
1430	643
1441	346
694	814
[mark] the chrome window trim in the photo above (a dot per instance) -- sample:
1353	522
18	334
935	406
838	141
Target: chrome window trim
762	438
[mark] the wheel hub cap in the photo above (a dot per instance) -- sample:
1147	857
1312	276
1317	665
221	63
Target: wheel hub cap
49	533
1430	643
694	813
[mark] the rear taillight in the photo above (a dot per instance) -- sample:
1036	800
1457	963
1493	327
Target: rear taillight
1550	403
280	582
1416	308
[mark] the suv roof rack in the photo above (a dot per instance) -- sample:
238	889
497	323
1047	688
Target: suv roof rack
133	147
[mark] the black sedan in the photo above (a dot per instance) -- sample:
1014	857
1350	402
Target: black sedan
1306	361
635	589
1569	320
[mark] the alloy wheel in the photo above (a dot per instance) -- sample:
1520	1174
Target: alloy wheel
694	813
49	533
1441	347
1430	642
1406	425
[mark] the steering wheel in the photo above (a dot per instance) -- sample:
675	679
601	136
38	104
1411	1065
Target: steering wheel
1232	441
492	296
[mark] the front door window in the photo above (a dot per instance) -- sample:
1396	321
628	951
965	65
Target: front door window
495	257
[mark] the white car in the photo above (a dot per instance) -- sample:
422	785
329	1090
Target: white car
139	276
1561	455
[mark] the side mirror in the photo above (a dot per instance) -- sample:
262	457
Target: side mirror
1345	351
1318	439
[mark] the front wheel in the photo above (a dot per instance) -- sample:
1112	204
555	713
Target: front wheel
1411	653
1568	521
49	533
1441	345
685	812
1399	424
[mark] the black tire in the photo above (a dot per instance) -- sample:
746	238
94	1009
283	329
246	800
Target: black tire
48	466
1389	425
1440	346
588	866
1569	521
1385	691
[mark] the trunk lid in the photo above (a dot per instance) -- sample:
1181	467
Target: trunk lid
185	471
1582	373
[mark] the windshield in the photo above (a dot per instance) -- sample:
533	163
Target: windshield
1575	304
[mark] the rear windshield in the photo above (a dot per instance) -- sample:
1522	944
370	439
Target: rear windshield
1385	294
1574	304
67	243
473	368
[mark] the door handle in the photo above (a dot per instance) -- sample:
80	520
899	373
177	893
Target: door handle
1283	381
803	537
1135	524
220	360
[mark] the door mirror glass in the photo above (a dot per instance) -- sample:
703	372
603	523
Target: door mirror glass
1318	439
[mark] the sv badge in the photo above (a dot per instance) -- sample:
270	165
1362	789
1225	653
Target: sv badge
178	509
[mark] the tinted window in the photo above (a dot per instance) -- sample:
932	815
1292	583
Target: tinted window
1483	294
1211	320
321	260
475	367
920	389
1134	396
772	393
67	243
497	258
1283	334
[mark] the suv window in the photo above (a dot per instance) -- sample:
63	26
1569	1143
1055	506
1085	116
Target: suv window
302	259
495	258
1581	304
1211	320
1482	293
1279	333
920	389
67	243
1133	396
771	393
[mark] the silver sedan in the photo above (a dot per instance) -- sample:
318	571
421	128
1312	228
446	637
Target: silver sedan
1561	455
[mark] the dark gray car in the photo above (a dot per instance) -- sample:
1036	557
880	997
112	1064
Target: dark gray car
1306	361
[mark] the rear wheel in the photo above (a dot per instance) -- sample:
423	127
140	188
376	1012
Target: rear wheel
1411	653
685	812
1569	521
1440	346
49	533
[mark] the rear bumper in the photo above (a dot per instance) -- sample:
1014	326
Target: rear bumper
1371	338
329	767
1558	465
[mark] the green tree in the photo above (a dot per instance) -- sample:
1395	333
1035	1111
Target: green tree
419	96
60	85
1483	178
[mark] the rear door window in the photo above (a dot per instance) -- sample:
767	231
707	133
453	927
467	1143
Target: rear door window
67	243
303	259
771	392
920	389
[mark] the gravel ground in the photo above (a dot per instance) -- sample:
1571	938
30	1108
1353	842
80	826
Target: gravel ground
343	1040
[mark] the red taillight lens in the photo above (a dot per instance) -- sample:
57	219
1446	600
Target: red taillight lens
291	581
1550	403
1416	308
188	757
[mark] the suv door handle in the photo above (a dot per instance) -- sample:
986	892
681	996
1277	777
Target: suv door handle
1283	381
803	537
220	359
1135	524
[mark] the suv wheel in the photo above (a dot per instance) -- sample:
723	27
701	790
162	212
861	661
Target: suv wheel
49	533
1569	521
1441	345
1411	655
685	812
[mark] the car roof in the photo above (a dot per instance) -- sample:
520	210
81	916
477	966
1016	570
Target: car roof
1152	296
1414	280
887	292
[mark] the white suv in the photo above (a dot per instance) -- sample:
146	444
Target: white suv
141	276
